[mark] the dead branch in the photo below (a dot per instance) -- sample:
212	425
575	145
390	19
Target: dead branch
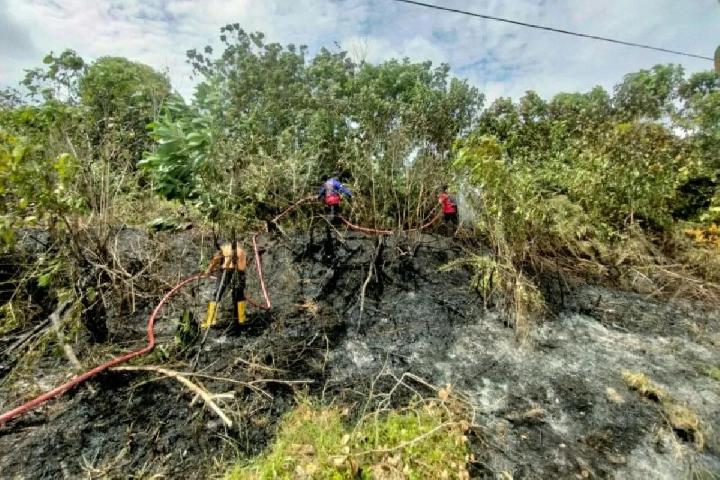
202	393
57	327
371	270
26	338
229	380
284	382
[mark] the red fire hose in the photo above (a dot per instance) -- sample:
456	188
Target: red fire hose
292	207
57	391
258	261
388	232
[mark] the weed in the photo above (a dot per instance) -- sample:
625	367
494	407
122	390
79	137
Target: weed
422	441
10	317
187	332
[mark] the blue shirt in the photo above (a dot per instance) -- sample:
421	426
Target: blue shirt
333	185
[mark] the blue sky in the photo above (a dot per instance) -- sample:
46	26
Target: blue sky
500	59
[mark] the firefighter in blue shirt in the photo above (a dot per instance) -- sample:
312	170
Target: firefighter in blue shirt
331	191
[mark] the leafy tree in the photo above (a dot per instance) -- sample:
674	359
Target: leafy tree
183	143
33	187
122	97
59	81
279	120
649	93
701	113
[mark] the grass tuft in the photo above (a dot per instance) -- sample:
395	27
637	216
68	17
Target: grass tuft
500	281
684	421
642	384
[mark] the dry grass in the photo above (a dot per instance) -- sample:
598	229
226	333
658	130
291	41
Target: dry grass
501	281
642	384
614	396
310	306
528	303
684	421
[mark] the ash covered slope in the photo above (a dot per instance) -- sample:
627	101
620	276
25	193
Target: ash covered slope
558	409
376	309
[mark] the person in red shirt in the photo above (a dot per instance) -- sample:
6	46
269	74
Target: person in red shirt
449	208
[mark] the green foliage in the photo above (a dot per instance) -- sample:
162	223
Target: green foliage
33	186
81	143
711	371
59	81
701	117
121	97
649	93
423	441
610	162
278	121
586	176
180	161
187	332
11	317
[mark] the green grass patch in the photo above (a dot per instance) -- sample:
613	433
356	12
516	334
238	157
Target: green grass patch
10	318
425	440
712	372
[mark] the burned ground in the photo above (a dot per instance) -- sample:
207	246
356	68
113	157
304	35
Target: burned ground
341	327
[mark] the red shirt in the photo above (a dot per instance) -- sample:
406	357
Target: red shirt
448	206
332	199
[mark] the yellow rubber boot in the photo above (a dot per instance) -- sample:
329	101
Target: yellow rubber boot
241	312
211	316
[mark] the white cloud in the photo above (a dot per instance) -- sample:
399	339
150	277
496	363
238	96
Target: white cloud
499	58
376	49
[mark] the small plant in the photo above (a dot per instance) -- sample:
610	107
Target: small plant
11	317
499	281
187	333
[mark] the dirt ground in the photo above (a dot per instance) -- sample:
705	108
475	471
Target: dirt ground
343	326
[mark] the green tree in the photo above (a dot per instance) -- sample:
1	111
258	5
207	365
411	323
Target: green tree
121	98
279	120
649	93
59	80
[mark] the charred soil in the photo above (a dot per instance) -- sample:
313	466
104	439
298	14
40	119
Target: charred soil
353	316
